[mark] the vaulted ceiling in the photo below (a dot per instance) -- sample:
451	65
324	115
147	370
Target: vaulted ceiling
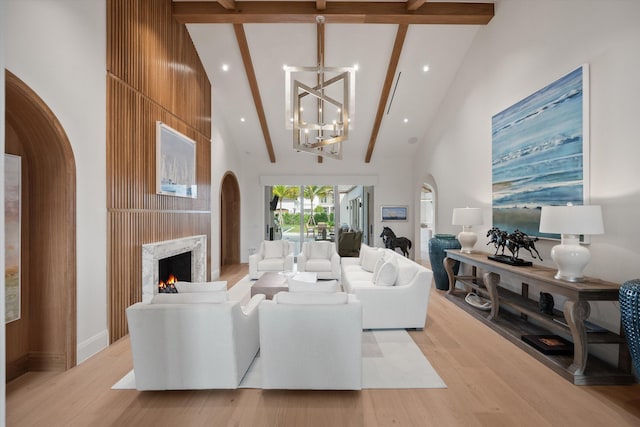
244	45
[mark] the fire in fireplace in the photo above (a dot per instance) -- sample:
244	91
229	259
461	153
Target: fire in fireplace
172	269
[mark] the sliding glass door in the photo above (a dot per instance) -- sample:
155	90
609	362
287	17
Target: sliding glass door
316	212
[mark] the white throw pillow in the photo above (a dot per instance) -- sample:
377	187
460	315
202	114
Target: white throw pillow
273	249
310	298
379	264
326	286
190	298
369	257
319	250
387	273
187	287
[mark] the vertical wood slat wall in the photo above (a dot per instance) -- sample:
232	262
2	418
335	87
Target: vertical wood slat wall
153	73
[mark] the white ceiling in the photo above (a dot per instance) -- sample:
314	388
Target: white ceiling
417	96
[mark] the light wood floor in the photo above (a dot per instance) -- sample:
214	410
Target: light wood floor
490	383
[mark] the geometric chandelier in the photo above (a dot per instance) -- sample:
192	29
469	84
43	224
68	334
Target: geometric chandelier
319	104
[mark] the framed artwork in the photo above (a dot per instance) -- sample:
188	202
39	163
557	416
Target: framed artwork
175	163
12	213
540	153
394	213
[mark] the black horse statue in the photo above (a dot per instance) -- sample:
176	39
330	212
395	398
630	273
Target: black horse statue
514	242
391	241
520	240
498	238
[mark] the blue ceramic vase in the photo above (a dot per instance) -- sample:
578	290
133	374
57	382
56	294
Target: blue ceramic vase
630	317
437	246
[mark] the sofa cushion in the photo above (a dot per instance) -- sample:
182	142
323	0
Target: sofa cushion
186	287
387	273
368	257
274	249
327	286
308	298
190	298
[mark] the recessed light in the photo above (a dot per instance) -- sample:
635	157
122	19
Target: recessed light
225	67
406	120
356	67
425	68
242	119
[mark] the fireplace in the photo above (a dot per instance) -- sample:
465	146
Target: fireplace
172	269
178	253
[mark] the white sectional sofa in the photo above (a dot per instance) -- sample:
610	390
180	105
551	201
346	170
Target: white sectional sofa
394	290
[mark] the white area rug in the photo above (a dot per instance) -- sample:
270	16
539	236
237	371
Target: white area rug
390	359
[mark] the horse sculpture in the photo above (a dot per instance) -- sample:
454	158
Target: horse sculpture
391	241
512	241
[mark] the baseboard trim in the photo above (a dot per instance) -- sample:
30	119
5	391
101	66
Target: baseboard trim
93	345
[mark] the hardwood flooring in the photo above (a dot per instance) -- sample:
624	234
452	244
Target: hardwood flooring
490	383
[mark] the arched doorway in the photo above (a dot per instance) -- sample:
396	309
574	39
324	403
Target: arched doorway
44	338
428	214
229	220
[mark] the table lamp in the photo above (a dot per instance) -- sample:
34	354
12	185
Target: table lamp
467	217
570	222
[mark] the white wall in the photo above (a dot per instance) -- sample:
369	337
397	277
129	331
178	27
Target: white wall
59	50
525	47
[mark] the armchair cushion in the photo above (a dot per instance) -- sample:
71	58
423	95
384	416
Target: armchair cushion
310	298
186	287
191	298
274	249
327	286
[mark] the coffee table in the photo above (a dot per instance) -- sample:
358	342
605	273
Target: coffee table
269	284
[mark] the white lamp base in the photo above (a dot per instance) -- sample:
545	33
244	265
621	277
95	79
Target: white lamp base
571	258
467	240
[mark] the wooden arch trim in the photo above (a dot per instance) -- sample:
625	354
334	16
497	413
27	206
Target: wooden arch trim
229	220
52	227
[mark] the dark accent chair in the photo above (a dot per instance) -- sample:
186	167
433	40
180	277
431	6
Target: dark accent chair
349	243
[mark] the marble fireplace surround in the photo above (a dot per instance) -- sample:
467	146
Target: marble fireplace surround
153	252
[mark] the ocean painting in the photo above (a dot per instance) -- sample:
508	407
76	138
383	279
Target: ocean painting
12	181
538	156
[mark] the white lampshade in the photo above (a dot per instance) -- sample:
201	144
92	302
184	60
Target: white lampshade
571	221
466	217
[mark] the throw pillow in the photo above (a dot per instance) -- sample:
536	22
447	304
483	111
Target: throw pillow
379	264
326	286
187	287
310	298
369	257
387	273
190	298
273	249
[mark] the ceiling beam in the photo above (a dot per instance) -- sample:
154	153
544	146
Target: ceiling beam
277	12
320	61
228	4
414	4
386	88
253	84
321	4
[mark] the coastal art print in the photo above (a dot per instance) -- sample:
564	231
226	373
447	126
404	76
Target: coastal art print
12	185
540	154
393	213
175	163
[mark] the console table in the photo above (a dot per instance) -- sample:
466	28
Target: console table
524	317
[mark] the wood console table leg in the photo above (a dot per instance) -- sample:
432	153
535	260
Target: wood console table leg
448	267
491	281
575	313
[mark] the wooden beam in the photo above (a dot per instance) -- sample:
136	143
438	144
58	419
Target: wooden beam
321	4
253	84
335	12
386	88
228	4
414	4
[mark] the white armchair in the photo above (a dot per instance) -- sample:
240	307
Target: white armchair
311	341
272	255
320	257
190	341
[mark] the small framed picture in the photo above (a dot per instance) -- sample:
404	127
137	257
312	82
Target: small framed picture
394	213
